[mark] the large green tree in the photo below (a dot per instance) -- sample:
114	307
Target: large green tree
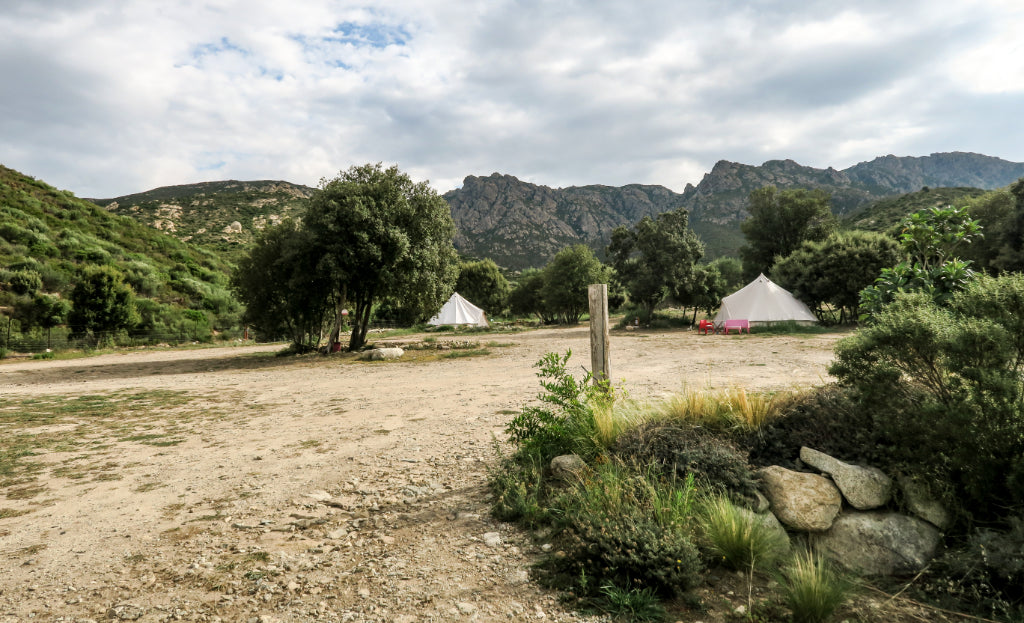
101	302
656	258
835	270
566	280
383	237
483	284
779	221
283	291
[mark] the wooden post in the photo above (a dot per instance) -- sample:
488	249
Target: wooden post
598	295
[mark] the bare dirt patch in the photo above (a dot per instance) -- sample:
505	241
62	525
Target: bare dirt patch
228	484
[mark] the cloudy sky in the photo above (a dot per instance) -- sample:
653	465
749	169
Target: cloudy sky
110	97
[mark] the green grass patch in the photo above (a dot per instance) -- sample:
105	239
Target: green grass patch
457	354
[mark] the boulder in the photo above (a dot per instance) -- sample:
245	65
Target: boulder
379	354
567	467
771	522
920	503
880	543
863	487
802	501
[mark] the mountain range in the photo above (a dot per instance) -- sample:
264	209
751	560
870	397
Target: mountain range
519	224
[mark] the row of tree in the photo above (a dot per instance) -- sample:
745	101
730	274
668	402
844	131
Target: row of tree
375	243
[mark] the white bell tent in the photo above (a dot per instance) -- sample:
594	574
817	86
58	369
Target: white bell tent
761	301
459	311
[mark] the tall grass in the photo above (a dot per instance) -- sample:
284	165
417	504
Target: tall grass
811	587
739	538
715	409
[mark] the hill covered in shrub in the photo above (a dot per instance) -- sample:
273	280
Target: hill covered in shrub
49	239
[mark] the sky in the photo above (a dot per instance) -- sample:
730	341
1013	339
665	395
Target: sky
110	97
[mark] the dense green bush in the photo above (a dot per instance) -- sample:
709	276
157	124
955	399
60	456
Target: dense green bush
944	387
826	419
680	450
631	530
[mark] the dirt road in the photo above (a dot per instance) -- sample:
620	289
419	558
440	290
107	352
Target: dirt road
226	484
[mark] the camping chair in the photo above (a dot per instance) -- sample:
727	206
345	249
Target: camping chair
705	325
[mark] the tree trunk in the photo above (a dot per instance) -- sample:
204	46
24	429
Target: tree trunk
338	318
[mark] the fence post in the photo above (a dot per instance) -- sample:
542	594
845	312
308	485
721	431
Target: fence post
598	296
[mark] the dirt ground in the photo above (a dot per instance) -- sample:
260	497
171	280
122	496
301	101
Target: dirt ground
229	485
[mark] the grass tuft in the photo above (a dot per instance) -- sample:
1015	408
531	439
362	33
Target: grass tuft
811	587
738	537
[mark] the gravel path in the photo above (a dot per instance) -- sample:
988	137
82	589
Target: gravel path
229	485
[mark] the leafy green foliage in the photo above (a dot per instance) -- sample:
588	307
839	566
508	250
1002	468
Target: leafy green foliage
101	302
48	237
483	285
835	270
930	241
779	221
563	422
944	387
885	215
566	280
282	289
657	257
383	237
526	299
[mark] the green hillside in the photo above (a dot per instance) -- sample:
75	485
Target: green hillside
885	214
48	237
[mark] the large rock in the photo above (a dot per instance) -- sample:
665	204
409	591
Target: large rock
863	487
802	501
878	543
567	467
379	354
923	505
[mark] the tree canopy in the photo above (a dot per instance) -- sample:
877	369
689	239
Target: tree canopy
383	237
779	221
101	302
483	284
656	258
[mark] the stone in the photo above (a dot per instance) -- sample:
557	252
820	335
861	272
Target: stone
921	504
465	607
380	354
771	522
805	502
880	543
863	487
567	467
492	539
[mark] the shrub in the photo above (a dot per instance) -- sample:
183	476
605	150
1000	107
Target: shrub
682	450
824	418
564	423
630	530
944	389
811	588
982	576
519	492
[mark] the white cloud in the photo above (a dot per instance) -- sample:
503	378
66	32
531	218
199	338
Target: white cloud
114	97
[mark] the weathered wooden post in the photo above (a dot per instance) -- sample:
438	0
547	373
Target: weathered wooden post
598	295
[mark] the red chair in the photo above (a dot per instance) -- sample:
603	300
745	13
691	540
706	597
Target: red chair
706	325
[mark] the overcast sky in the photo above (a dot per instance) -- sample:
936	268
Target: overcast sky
111	97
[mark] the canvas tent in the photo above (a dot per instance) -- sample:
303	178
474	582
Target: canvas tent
459	311
762	301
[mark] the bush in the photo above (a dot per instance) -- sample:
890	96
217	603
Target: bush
519	492
982	576
825	419
681	450
564	423
630	530
944	388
